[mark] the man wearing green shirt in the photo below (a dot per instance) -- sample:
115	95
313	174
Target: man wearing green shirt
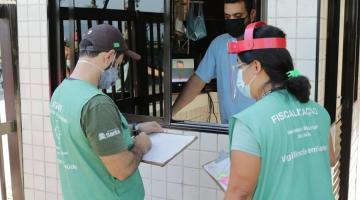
97	157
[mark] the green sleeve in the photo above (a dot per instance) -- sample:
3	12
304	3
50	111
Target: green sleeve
244	140
101	123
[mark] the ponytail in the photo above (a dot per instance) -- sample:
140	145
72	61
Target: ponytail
299	87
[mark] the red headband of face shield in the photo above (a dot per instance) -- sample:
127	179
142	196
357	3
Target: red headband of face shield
249	43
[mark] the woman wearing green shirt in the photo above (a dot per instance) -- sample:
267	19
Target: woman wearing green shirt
280	146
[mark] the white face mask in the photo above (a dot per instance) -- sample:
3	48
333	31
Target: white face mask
241	85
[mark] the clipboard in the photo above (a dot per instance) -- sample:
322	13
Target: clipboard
165	147
219	171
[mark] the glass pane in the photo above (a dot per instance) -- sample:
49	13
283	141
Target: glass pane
116	4
64	3
156	6
112	4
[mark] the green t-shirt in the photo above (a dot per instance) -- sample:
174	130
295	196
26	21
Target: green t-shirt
102	126
292	139
83	174
244	140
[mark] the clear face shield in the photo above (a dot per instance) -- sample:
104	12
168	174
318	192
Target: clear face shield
247	44
234	65
239	83
234	80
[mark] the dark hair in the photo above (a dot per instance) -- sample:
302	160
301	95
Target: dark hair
180	61
276	63
248	4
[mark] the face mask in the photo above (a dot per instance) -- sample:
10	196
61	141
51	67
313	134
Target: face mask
235	27
242	86
109	76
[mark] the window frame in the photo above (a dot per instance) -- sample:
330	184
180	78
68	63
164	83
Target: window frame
56	71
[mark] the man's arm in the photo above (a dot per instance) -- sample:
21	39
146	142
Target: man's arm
123	164
244	174
188	94
100	116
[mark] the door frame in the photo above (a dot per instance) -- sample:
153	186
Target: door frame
342	116
350	63
10	65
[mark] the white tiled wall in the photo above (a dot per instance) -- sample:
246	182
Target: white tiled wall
183	177
298	19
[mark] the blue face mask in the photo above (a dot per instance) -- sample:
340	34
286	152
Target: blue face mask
241	85
108	78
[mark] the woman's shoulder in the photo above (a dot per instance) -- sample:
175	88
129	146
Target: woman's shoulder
271	103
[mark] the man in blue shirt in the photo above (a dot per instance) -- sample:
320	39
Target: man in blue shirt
217	63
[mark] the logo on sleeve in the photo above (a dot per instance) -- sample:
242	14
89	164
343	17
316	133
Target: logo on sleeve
108	134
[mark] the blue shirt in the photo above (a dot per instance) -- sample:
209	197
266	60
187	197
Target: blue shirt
217	63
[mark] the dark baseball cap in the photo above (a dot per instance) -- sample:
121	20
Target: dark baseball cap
105	37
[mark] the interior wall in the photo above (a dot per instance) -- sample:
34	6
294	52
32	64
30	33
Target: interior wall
199	109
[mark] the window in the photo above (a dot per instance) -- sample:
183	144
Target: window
154	6
144	90
204	109
140	88
119	4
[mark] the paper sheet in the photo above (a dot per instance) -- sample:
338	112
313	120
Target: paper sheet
219	170
165	147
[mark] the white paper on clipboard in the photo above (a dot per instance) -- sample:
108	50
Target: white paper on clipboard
165	147
219	171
